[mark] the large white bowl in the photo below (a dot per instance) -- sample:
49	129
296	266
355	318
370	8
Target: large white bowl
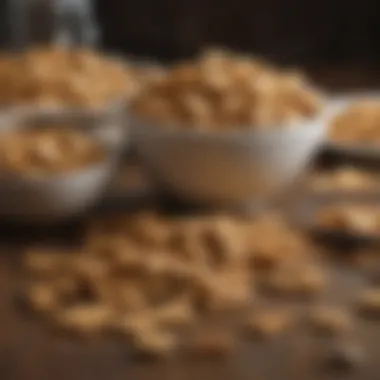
57	197
229	167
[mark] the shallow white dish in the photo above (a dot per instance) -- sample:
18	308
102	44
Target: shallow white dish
241	166
342	103
57	197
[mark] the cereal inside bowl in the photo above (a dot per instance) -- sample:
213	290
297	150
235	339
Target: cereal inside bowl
222	91
60	77
362	219
358	123
47	151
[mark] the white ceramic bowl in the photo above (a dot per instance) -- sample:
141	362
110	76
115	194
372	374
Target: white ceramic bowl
229	167
58	197
360	150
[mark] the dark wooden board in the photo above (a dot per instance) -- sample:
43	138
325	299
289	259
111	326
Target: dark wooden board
30	351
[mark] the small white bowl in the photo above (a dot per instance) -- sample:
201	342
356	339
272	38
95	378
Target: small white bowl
236	167
58	197
359	150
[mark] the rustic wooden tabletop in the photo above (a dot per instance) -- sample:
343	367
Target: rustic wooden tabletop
29	351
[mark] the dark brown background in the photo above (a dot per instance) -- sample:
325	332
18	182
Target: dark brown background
292	31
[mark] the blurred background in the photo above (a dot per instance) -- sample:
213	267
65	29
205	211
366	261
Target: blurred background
336	40
324	32
295	31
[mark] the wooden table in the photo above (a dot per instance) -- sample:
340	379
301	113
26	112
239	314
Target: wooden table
29	351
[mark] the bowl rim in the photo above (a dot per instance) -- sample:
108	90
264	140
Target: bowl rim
322	118
114	104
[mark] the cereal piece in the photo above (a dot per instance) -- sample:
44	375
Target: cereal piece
150	230
154	344
266	324
212	344
312	282
42	297
41	262
177	313
222	240
224	291
186	245
369	303
330	321
83	319
266	252
123	295
305	282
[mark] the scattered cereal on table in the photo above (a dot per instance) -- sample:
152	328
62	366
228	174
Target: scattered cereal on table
42	297
144	282
268	323
301	281
330	321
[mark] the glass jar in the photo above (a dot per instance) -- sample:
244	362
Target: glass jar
68	22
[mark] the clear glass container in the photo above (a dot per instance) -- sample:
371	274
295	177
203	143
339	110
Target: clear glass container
68	22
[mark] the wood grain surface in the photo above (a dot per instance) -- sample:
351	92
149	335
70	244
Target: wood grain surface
30	351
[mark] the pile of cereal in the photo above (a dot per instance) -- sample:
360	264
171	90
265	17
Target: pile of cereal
144	276
359	123
56	77
221	90
43	151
